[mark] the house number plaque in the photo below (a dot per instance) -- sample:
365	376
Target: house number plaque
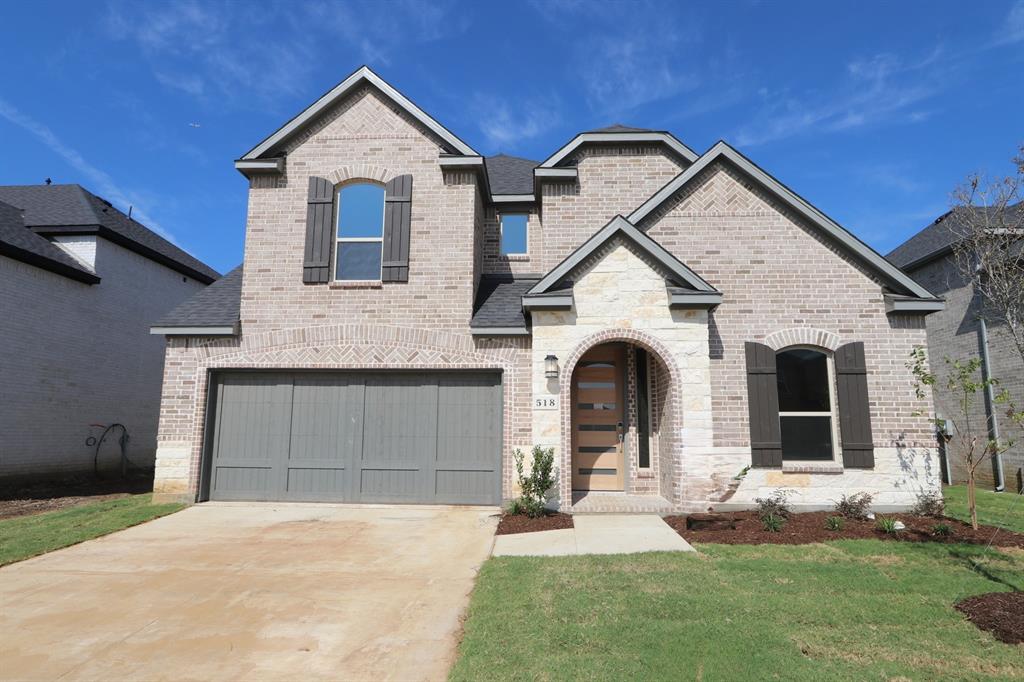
549	402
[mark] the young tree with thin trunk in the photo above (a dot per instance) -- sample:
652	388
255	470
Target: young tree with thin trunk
963	380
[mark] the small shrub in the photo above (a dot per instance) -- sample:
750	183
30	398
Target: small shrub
886	525
773	523
929	503
534	486
855	506
773	505
834	523
942	530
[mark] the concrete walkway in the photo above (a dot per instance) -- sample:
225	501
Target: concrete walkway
249	592
596	534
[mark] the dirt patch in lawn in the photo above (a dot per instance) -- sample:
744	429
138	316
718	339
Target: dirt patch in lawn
1001	613
520	523
744	528
21	498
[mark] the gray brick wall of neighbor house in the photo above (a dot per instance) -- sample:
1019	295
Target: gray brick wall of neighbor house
955	333
781	280
76	355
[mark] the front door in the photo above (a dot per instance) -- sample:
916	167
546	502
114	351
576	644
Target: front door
598	460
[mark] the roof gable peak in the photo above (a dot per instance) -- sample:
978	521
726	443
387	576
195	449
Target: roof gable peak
364	74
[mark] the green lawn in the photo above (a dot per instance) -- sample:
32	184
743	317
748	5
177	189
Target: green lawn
26	536
846	610
1005	510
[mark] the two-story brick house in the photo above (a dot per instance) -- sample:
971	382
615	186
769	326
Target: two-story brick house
683	329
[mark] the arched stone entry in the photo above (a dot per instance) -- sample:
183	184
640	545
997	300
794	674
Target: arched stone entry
647	470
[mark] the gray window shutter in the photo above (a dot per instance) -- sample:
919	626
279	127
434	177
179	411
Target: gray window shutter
397	225
763	403
316	265
854	410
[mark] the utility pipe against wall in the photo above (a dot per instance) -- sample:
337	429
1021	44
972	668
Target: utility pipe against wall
990	402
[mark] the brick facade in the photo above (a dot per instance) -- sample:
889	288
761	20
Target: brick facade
78	355
782	284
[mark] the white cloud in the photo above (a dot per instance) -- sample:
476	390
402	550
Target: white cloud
98	179
1012	30
874	92
506	126
620	74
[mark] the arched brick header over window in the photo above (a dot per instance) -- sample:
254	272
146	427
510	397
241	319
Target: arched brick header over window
650	343
802	336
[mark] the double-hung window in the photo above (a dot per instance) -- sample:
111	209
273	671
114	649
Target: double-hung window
806	404
513	234
360	232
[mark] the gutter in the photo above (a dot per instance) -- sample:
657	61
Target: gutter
991	415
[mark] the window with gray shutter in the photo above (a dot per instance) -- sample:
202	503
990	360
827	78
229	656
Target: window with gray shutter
763	404
854	408
316	265
397	226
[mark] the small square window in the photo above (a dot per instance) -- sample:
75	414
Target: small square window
513	233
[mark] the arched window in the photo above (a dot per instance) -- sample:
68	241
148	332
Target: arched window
360	232
806	404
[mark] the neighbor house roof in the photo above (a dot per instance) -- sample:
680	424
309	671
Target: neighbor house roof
886	271
363	75
499	305
20	243
936	240
212	311
52	210
510	174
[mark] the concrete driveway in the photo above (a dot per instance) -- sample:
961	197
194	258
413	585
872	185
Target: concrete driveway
250	591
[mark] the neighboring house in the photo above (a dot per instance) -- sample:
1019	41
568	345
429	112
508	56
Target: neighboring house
80	284
410	313
959	333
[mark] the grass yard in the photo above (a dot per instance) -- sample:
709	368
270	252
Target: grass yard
1005	509
26	536
846	610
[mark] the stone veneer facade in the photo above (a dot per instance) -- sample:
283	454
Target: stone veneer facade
782	284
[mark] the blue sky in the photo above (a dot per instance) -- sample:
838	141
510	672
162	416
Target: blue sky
873	111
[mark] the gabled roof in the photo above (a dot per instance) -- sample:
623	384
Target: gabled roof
361	76
22	244
888	272
618	227
70	209
618	134
213	311
939	238
619	128
510	174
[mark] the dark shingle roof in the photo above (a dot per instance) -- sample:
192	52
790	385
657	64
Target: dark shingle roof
619	128
218	305
20	243
71	209
499	301
933	240
510	174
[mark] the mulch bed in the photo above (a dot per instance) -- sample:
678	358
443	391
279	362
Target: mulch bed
521	523
1001	613
24	498
744	528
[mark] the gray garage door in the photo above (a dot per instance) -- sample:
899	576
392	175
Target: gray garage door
355	437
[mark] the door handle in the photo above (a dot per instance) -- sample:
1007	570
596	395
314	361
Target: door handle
619	431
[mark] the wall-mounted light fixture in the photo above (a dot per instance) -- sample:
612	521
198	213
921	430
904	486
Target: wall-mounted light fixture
551	367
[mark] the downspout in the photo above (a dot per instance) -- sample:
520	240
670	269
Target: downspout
990	403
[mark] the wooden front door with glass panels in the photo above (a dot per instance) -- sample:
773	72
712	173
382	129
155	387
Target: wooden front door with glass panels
598	461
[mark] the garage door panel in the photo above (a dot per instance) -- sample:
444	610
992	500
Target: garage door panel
469	408
326	434
390	485
243	483
464	487
317	484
